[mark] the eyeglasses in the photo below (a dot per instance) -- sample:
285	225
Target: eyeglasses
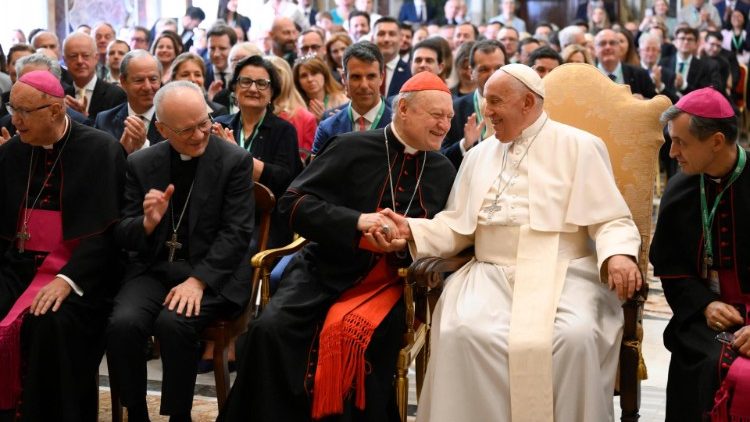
685	39
604	43
244	82
310	48
204	126
12	110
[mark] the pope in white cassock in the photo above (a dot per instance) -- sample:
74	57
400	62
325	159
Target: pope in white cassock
530	329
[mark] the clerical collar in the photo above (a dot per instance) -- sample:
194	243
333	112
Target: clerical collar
407	149
371	114
148	114
68	127
531	131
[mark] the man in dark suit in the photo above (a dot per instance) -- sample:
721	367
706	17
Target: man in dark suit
92	94
607	47
724	60
187	222
36	61
221	38
363	74
649	50
387	36
133	123
193	17
691	73
417	11
485	58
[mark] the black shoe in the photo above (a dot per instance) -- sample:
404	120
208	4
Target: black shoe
205	366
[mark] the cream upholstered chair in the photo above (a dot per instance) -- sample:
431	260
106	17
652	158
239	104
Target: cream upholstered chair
581	96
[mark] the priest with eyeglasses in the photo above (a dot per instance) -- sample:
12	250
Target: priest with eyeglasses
187	221
60	187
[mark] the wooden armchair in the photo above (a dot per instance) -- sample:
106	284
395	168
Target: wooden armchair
415	334
579	95
222	332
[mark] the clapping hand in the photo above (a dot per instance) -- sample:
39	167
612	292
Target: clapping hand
213	89
134	135
77	105
223	133
317	108
155	206
4	135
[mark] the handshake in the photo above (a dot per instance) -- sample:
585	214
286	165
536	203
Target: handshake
386	230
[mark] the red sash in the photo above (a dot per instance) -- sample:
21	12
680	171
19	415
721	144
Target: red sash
346	333
45	228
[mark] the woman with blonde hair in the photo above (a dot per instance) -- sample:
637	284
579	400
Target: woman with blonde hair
315	83
166	47
190	67
290	106
599	20
575	53
335	47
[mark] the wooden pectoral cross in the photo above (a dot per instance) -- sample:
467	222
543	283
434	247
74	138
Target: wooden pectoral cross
173	245
22	237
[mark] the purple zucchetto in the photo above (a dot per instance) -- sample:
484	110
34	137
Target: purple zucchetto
44	81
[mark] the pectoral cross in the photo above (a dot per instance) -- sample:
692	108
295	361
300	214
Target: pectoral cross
492	209
173	245
22	237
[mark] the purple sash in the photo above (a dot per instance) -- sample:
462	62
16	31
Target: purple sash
45	228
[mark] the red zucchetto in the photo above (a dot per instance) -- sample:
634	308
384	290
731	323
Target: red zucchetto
424	81
44	81
706	102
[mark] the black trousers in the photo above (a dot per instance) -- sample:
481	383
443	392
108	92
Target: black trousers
60	351
139	313
277	363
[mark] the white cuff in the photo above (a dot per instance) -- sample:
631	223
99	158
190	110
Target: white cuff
73	285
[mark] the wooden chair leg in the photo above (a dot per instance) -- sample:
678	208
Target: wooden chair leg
402	391
422	358
221	370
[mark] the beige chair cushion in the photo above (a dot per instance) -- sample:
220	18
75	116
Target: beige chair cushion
581	96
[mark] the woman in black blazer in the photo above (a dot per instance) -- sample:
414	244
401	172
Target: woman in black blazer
271	140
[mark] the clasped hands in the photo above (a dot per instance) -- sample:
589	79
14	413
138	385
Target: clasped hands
386	230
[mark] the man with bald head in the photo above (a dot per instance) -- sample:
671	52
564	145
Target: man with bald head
607	49
187	222
342	273
530	316
92	93
60	187
46	39
133	122
284	35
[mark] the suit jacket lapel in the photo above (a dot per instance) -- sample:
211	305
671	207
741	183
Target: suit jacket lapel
207	173
118	121
153	134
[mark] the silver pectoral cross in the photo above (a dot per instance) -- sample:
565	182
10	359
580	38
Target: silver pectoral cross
22	237
492	209
173	245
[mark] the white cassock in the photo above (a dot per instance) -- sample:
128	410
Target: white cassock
528	330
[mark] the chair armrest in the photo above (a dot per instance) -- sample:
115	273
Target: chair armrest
433	268
266	258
